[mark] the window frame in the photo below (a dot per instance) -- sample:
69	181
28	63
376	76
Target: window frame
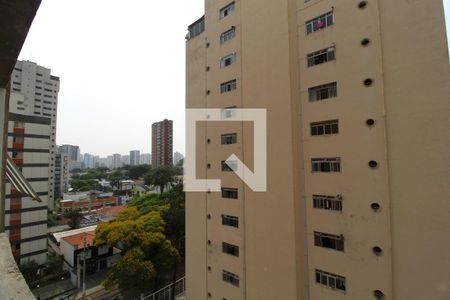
312	25
229	193
322	56
327	202
324	128
326	165
231	221
322	92
323	278
229	86
227	10
227	35
329	241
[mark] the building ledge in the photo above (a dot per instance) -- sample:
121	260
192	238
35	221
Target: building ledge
12	283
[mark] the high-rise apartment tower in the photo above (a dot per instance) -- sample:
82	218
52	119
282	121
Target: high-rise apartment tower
31	144
162	143
358	131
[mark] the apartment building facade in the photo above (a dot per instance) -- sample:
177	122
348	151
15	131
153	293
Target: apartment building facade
356	94
31	144
62	174
162	143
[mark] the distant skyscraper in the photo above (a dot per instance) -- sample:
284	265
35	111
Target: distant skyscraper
88	161
72	151
146	159
116	161
162	143
32	123
135	157
125	160
177	157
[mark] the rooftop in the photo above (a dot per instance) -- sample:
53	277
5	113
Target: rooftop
59	235
77	240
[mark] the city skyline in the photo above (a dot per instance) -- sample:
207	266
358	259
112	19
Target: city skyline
97	110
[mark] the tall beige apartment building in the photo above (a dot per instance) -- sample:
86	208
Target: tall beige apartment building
358	103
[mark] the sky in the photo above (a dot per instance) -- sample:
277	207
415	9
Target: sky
122	67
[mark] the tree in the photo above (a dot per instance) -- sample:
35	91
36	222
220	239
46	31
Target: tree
160	177
136	172
29	271
52	220
74	217
145	249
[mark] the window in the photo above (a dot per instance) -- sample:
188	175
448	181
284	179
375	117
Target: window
228	35
228	112
321	56
227	10
230	249
229	193
329	241
326	165
325	128
230	278
16	90
319	23
39	74
230	221
228	139
227	60
230	166
196	29
323	92
327	202
228	86
330	280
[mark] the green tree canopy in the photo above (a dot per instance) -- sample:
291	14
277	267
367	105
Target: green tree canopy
145	248
160	177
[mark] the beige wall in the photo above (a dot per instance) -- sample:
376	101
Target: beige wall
408	62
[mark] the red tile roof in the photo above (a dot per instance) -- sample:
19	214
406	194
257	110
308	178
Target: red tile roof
77	240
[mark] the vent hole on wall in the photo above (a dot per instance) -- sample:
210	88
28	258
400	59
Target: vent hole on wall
377	250
365	42
209	242
208	141
207	69
208	92
362	4
209	166
368	82
209	216
375	206
207	45
209	268
373	164
370	122
378	294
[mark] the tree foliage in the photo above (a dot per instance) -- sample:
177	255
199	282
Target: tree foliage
160	177
145	248
75	217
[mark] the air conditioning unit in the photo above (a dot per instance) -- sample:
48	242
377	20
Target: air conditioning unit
339	196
